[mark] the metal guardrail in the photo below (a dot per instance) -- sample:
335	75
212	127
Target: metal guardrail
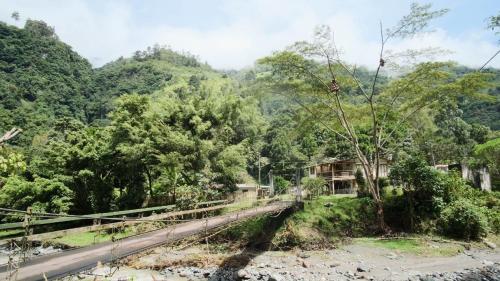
61	219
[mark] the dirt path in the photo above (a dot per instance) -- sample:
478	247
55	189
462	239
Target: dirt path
76	260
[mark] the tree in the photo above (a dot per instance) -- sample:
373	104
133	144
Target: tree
360	181
489	152
314	185
15	15
43	195
314	75
280	185
423	188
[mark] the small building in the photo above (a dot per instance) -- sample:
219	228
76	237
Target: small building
245	191
251	191
340	174
479	177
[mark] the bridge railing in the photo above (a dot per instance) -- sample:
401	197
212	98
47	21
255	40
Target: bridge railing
69	218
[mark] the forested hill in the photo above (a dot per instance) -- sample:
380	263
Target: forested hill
41	79
146	72
484	112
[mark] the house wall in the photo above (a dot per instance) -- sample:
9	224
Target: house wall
479	177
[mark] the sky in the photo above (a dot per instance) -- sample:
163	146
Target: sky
232	34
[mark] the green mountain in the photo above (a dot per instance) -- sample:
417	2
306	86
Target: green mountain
41	79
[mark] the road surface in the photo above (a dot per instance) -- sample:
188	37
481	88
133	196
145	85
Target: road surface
73	261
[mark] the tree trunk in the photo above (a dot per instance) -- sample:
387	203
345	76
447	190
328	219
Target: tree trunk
374	190
381	218
150	186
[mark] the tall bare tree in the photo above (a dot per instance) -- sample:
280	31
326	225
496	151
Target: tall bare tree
319	64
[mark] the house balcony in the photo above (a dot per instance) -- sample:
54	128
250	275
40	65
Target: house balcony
337	175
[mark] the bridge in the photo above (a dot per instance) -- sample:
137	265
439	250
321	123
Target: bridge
73	261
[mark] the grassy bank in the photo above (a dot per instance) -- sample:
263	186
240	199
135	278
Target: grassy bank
325	221
421	246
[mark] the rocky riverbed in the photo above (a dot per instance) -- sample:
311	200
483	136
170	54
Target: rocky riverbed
7	252
350	262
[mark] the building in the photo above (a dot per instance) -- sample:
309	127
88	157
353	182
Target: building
479	177
251	191
340	174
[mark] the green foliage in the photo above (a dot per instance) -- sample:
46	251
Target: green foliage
431	196
42	194
280	185
489	153
422	185
188	196
41	79
317	225
462	219
314	186
11	162
360	180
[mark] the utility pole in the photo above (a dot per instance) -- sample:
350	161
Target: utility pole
259	171
299	188
271	182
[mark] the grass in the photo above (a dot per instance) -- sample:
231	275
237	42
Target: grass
416	245
245	204
327	219
92	237
10	233
240	205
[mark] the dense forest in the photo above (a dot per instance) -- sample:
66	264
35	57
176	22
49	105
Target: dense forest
162	127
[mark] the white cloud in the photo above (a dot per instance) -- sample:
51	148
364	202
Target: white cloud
253	29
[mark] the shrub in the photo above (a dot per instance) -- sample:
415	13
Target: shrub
462	219
280	185
46	195
188	196
314	186
360	180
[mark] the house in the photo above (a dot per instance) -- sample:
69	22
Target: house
251	191
245	191
479	177
340	174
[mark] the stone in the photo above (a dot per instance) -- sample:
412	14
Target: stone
243	274
303	255
490	244
392	256
305	264
488	263
334	264
275	277
362	268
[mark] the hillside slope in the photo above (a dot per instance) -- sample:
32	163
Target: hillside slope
41	79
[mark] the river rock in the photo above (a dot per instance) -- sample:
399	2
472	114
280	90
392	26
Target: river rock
362	268
275	277
490	244
243	274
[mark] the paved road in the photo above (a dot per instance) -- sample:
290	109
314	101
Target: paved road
59	265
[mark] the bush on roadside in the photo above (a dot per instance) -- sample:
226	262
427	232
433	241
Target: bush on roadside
462	219
188	196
